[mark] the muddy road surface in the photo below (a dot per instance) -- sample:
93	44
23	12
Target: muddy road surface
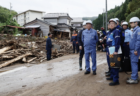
61	77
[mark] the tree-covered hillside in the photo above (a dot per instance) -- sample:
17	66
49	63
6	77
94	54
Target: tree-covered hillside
6	18
125	11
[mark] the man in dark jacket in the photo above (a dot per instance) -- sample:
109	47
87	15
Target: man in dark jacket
49	46
81	45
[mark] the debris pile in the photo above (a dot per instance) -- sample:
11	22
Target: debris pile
28	49
65	48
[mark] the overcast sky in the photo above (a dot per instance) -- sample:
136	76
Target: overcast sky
75	8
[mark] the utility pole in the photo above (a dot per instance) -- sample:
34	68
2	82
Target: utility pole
103	18
106	15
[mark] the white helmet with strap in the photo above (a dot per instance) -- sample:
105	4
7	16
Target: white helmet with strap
113	20
84	23
125	23
117	19
134	19
89	21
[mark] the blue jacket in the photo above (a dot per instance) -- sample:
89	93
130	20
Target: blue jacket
89	38
104	33
80	37
48	44
74	38
119	28
127	34
113	39
134	43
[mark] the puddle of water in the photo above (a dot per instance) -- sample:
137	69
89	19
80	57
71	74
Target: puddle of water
16	69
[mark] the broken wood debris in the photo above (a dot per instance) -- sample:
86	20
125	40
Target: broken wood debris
29	49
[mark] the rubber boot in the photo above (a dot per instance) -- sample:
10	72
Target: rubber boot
80	65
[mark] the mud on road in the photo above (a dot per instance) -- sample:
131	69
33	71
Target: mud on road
61	77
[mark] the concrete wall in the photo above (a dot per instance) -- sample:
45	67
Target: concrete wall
33	15
28	16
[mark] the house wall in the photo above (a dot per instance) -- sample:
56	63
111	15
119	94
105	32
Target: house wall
55	21
52	21
43	27
27	17
33	15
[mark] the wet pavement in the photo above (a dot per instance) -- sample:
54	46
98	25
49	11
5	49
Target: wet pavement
25	77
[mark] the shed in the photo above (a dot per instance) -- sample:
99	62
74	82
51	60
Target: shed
44	26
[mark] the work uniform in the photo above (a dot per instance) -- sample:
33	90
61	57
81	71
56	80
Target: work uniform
74	40
126	48
48	48
90	38
122	44
104	33
113	39
81	44
134	45
104	40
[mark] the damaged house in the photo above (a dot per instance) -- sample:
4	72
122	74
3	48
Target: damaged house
76	23
62	23
59	24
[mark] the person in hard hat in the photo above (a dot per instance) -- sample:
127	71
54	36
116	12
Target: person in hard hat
122	22
90	38
49	46
81	45
113	39
74	41
122	42
127	36
134	46
109	69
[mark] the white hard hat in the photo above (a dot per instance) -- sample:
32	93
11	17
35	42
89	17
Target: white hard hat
89	21
134	19
100	40
84	23
97	30
125	23
114	20
100	31
117	19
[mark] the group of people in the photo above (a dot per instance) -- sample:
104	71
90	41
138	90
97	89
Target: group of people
118	37
101	44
